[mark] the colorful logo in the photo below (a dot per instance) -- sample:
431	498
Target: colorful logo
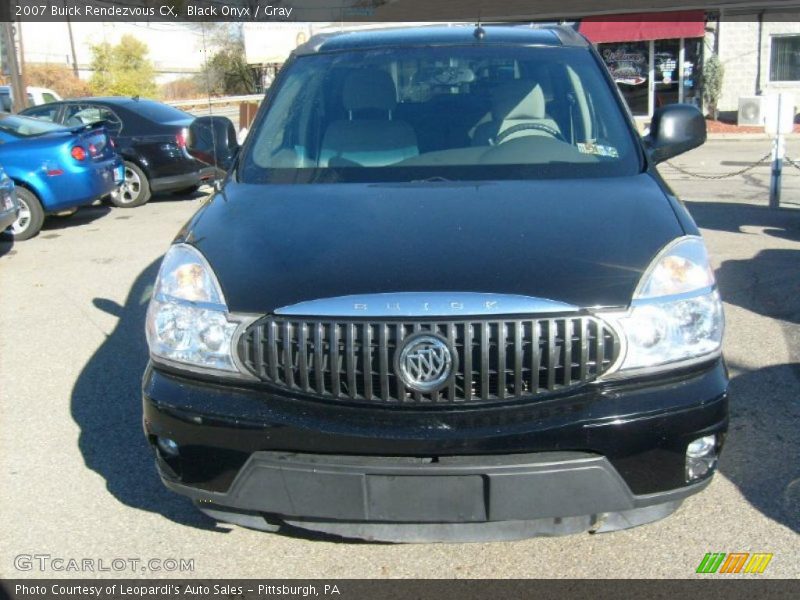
734	562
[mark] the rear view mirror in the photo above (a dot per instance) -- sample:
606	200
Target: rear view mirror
675	129
212	140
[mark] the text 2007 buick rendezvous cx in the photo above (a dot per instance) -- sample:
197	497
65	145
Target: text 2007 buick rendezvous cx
443	294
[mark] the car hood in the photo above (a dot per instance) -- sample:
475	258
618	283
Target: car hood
584	242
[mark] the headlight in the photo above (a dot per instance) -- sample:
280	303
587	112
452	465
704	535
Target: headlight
188	321
676	314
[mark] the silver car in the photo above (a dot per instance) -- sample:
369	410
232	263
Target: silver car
8	201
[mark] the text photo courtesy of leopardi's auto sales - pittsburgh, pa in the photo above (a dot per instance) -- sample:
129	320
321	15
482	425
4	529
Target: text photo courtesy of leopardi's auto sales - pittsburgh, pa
387	297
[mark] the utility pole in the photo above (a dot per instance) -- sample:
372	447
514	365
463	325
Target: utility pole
72	47
23	80
17	90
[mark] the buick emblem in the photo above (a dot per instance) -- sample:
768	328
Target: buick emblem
424	363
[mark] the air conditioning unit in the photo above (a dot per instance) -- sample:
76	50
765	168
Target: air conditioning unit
751	111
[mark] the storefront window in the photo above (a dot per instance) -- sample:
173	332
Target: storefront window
629	63
629	66
692	71
667	82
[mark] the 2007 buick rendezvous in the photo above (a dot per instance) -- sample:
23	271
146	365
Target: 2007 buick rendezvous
442	295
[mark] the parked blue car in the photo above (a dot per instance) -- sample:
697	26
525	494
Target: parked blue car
55	168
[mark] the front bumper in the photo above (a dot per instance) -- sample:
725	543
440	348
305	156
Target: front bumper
7	217
606	458
78	185
455	498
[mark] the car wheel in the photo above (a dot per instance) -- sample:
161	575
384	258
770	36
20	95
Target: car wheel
186	191
134	190
30	218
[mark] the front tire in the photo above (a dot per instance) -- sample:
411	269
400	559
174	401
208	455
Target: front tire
134	190
30	218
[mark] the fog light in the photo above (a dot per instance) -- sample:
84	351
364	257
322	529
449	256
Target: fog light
701	457
701	447
167	446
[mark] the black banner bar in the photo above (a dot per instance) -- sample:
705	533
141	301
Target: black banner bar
373	10
713	587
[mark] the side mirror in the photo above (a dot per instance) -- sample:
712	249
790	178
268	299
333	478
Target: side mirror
212	140
675	129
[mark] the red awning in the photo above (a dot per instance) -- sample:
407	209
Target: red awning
644	26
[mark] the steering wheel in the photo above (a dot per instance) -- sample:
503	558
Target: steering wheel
501	137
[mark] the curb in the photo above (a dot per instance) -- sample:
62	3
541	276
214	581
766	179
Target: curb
747	136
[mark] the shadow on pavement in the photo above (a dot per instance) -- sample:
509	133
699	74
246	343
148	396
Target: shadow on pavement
731	217
760	455
83	216
6	244
106	405
769	283
54	223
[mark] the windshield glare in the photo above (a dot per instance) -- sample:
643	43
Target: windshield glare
458	113
26	126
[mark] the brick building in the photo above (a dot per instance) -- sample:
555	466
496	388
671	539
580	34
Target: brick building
760	53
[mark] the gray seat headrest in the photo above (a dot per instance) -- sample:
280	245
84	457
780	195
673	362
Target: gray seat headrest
369	88
521	99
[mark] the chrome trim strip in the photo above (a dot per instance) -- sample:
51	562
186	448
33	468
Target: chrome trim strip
426	304
705	291
167	299
618	374
245	321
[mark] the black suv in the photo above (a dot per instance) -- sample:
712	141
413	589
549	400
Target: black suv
150	136
443	294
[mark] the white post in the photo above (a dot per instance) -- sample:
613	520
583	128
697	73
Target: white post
681	59
651	80
778	152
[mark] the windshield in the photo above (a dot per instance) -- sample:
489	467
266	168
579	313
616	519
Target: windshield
457	113
27	126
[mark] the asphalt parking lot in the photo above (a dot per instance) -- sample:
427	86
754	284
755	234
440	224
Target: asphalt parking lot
78	480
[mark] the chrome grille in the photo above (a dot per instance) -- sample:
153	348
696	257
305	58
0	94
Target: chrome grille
499	360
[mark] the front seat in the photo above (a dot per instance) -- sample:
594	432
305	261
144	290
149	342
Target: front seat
515	103
370	136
